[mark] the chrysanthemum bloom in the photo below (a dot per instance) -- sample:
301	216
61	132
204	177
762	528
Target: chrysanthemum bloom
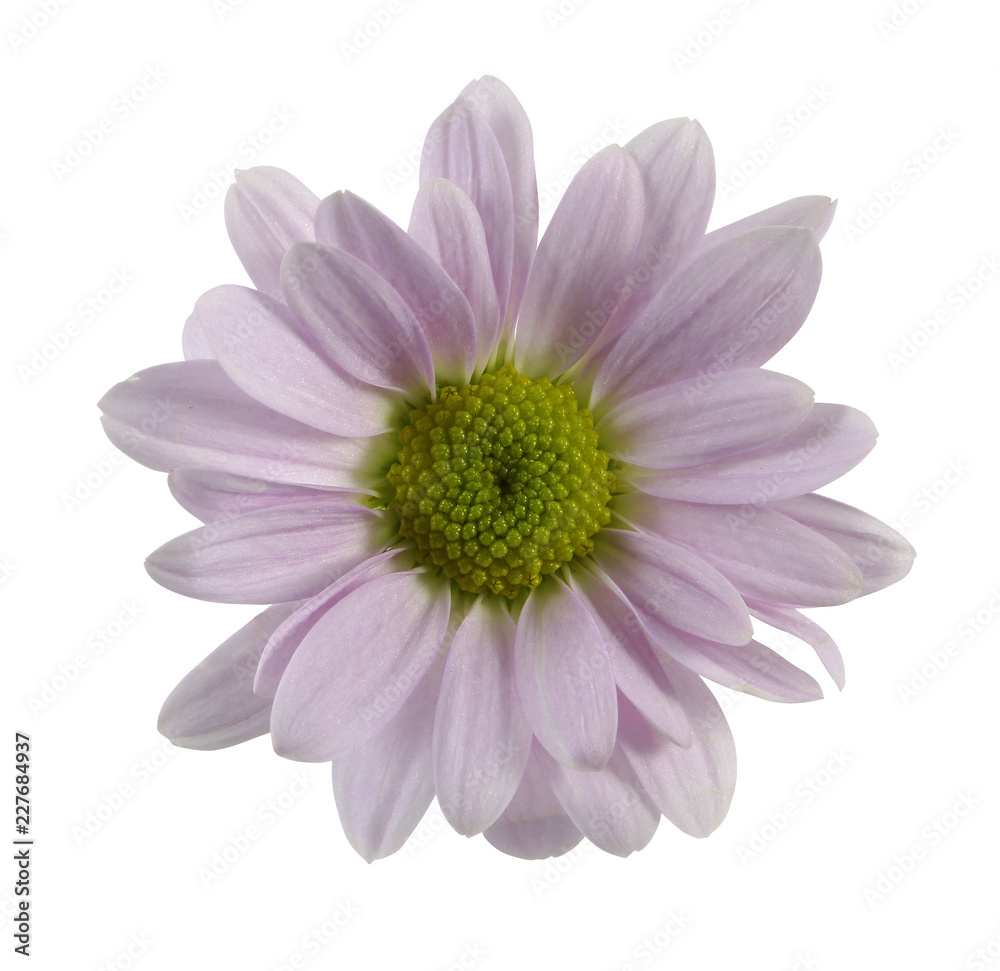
509	505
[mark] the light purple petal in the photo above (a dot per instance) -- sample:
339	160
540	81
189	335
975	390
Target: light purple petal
272	555
534	825
358	664
481	737
463	148
266	211
446	224
830	441
880	553
814	213
214	705
704	419
189	415
610	807
564	677
265	351
734	306
790	620
356	319
212	496
581	264
692	787
194	343
767	556
384	786
352	225
669	587
638	674
289	634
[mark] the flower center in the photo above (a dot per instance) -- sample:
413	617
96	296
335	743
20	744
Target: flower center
501	482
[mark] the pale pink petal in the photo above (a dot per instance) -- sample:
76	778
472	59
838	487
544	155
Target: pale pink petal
289	634
194	343
266	211
356	319
814	213
481	737
266	351
638	674
463	148
610	807
880	553
692	787
767	556
670	587
830	441
384	786
734	306
272	555
189	415
581	264
358	664
352	225
214	705
446	223
534	825
704	419
790	620
564	677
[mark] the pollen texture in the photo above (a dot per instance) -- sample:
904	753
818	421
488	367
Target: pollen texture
500	483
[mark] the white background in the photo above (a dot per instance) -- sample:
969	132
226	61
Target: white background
127	829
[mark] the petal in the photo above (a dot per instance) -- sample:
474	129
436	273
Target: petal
481	737
212	496
266	211
267	353
533	826
446	224
638	674
352	225
189	415
356	319
734	306
564	677
194	343
829	442
794	623
705	419
358	664
289	634
669	587
880	553
581	264
463	148
214	705
610	807
814	213
272	555
694	786
384	786
766	555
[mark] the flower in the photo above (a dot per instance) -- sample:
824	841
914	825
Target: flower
509	505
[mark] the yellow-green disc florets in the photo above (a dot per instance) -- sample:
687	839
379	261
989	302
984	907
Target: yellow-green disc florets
501	482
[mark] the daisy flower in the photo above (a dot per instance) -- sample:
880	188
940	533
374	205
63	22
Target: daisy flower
509	500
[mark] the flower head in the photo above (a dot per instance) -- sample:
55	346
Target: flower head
509	505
